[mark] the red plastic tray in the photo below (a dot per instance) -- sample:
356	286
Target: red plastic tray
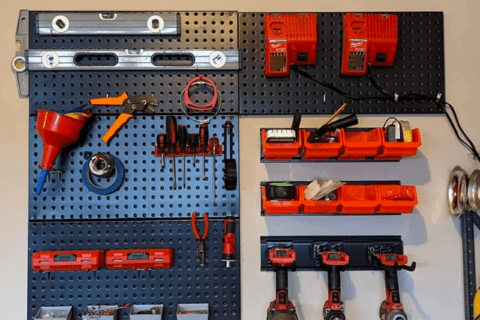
397	150
360	144
280	150
351	199
281	206
320	151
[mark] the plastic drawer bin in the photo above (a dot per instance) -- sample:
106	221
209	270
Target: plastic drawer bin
136	308
282	206
320	206
102	317
57	313
398	150
192	311
280	150
360	144
395	198
320	151
358	199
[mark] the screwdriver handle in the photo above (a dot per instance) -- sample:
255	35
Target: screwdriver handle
203	137
182	137
193	142
171	124
228	249
161	142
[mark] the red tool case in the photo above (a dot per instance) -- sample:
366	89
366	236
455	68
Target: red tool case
139	259
352	145
351	198
73	260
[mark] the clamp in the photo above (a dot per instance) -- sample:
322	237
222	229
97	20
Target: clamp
129	104
201	239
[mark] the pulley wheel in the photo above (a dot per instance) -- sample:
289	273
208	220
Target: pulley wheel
474	190
458	191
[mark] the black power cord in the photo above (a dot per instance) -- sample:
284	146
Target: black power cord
387	96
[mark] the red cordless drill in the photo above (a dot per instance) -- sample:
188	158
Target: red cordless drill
392	308
335	261
281	308
228	241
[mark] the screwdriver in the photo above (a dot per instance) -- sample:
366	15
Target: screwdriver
172	143
182	142
215	142
161	143
228	251
203	145
193	144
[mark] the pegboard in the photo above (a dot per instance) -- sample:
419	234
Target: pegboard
419	67
198	30
185	282
147	191
63	91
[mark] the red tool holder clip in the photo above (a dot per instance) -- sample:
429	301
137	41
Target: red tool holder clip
139	259
335	258
392	260
290	39
282	257
74	260
368	39
350	145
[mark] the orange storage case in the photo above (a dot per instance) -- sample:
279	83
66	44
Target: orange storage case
280	150
398	150
360	199
397	198
320	206
320	151
282	206
360	144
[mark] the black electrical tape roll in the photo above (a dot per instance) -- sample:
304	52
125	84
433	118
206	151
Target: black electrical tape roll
230	174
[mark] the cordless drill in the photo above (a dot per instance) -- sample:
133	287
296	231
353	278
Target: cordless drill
282	259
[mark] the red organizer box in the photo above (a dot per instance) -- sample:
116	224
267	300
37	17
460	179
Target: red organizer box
351	199
352	145
280	150
395	198
320	151
282	206
360	144
398	150
358	199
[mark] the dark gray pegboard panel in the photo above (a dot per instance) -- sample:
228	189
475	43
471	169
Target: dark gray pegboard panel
199	30
185	282
419	68
147	191
63	91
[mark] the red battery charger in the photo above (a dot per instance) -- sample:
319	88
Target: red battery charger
368	39
290	39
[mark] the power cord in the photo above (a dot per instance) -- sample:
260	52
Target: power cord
387	96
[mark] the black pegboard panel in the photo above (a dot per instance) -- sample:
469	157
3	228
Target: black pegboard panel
63	91
185	282
199	30
147	191
419	68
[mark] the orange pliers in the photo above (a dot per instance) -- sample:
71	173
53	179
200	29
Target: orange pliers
130	105
201	239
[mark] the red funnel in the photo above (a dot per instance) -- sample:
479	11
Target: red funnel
58	131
